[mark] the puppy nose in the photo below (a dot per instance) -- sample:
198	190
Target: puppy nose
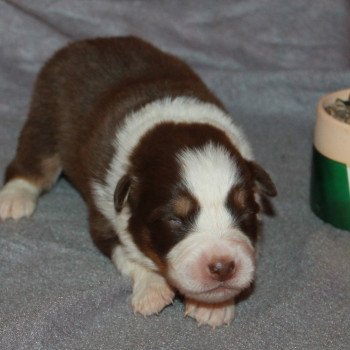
222	270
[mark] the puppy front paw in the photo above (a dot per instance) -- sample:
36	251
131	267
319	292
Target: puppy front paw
151	297
214	315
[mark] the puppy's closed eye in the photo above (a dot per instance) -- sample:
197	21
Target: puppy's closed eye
241	203
183	206
238	197
174	222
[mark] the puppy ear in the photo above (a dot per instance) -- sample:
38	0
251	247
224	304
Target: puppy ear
263	182
121	192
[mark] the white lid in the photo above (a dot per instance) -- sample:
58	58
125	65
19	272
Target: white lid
332	136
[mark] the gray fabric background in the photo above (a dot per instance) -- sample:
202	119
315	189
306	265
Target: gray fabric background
269	61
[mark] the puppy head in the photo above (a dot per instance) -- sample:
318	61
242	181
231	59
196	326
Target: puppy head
193	210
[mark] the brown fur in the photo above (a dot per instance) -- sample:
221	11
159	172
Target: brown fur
48	169
81	97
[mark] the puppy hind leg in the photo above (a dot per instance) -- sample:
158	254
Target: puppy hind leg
35	169
18	197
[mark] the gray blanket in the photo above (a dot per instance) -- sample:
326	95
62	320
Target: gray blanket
269	61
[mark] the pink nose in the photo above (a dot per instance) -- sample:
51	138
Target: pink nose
222	270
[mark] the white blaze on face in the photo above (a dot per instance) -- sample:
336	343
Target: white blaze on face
209	174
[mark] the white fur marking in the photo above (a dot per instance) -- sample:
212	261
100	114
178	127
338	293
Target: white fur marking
209	173
18	199
180	109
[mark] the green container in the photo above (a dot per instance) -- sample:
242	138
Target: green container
330	190
330	175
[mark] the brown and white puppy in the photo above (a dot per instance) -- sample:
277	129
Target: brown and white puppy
169	180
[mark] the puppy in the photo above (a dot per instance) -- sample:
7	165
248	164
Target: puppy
169	181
